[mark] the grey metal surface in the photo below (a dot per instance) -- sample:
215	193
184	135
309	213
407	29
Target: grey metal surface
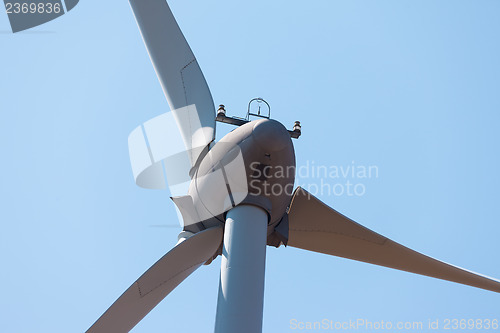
241	290
253	164
295	134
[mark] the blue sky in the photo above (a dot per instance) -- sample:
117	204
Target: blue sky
409	86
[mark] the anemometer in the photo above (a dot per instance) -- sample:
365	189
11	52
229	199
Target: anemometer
263	110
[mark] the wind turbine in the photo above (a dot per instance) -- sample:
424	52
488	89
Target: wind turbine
234	196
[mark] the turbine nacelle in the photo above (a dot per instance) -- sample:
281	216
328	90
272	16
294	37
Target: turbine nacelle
236	171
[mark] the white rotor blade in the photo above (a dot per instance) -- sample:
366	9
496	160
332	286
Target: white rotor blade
316	227
158	281
180	76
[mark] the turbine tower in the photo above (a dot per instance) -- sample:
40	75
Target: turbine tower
234	197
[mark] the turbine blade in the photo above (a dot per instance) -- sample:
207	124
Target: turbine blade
181	78
316	227
158	281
